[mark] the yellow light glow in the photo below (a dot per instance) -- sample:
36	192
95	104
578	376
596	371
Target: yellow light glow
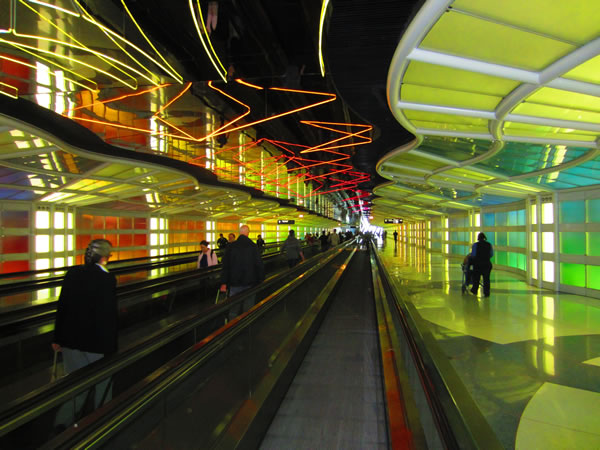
58	8
321	23
13	94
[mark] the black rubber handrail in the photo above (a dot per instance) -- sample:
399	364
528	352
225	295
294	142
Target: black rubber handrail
469	429
110	418
28	407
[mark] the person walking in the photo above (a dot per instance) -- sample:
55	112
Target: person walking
334	238
481	255
395	236
86	327
260	243
293	250
207	257
242	269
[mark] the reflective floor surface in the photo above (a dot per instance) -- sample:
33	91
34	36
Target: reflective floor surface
529	357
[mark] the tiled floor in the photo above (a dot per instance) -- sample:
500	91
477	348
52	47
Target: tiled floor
529	357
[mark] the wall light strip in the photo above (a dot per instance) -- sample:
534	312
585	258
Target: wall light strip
8	94
245	83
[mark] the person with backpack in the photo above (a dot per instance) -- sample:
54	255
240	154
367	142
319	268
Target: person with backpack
207	257
481	255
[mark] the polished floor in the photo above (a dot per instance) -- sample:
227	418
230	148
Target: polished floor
529	357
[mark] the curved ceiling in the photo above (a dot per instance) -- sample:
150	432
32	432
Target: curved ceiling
503	99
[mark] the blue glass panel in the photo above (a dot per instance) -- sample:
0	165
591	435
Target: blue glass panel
501	219
521	217
572	212
489	219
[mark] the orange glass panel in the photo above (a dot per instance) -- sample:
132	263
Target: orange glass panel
125	223
111	223
15	244
140	223
140	239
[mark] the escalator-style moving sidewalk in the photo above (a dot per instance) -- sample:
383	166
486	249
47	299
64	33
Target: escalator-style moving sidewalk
336	398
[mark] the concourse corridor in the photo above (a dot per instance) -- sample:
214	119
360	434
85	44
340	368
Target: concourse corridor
529	358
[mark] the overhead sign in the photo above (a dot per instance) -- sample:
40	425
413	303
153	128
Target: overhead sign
393	221
285	222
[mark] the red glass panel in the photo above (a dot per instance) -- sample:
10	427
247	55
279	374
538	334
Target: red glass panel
140	239
140	223
82	241
112	238
98	223
125	223
84	222
111	223
15	266
97	236
15	244
140	253
15	219
125	240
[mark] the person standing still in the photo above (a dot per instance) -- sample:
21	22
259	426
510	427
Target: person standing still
242	269
292	250
221	242
86	327
207	257
481	255
395	236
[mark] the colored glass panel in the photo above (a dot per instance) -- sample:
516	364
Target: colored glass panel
15	266
14	219
140	223
548	242
501	258
516	239
593	277
140	240
501	238
572	274
593	210
458	149
572	242
15	244
425	74
125	223
572	212
589	71
565	99
535	15
448	97
557	112
495	42
489	219
593	243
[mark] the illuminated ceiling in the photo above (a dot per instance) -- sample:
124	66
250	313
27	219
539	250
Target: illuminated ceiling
504	101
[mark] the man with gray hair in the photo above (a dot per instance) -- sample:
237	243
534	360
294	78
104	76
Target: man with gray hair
242	269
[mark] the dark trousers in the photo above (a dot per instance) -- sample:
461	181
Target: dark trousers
482	270
293	262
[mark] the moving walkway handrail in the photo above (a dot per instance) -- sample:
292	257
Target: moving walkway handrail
457	417
47	309
106	421
28	407
116	267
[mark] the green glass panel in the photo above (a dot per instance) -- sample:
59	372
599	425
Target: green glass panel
557	112
512	259
589	71
541	16
521	217
521	261
460	80
501	219
593	210
495	42
593	243
572	242
501	258
489	219
593	277
572	212
516	239
572	274
512	218
565	99
445	97
501	238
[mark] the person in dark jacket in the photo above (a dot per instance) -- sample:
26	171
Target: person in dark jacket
222	242
242	269
292	250
260	243
481	255
86	326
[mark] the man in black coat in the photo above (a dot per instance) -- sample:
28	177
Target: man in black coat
86	326
242	269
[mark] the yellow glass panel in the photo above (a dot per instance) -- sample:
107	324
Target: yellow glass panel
444	118
578	19
456	33
565	99
446	97
450	126
424	74
541	131
121	171
589	71
88	185
556	112
469	174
